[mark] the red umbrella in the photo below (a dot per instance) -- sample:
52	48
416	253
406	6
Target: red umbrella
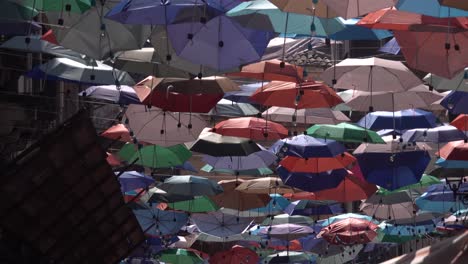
315	165
455	150
183	95
461	122
350	189
251	127
117	132
299	96
349	231
271	70
236	255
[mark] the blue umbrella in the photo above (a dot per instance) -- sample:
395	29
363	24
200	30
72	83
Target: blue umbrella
308	207
401	233
430	8
158	223
393	170
162	12
304	146
131	180
391	47
123	95
220	44
452	164
276	205
456	102
439	134
440	199
355	32
312	182
401	120
243	96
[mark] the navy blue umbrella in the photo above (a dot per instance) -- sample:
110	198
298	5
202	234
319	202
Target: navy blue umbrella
312	182
400	120
123	95
304	146
456	102
393	170
308	207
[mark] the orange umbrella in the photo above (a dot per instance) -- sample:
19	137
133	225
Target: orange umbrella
271	70
296	164
461	122
117	132
455	150
299	96
251	127
234	199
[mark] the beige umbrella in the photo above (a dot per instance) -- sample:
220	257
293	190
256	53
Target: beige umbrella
355	8
235	199
391	146
306	7
305	116
265	185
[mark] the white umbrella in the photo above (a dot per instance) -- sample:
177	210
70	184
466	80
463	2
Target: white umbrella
155	126
305	116
417	97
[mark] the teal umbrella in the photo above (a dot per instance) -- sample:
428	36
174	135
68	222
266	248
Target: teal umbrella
251	14
75	6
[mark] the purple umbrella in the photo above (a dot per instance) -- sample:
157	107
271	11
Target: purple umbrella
287	231
131	180
123	95
259	159
220	44
391	47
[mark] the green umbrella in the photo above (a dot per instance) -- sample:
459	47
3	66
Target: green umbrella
345	132
154	156
10	10
200	204
75	6
253	172
180	256
426	181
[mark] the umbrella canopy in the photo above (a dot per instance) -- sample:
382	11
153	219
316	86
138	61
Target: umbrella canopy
403	233
131	180
439	134
156	222
368	75
178	255
260	159
391	47
454	155
252	172
217	145
296	164
418	97
307	147
287	231
305	116
174	128
156	195
422	48
345	132
440	199
457	83
270	70
308	207
154	156
289	257
12	10
72	71
221	43
264	185
350	9
76	6
200	204
353	31
251	127
235	255
455	4
248	14
288	219
400	120
340	217
461	122
430	8
190	185
122	95
419	187
246	90
235	199
220	224
305	7
228	108
312	181
18	28
349	231
398	205
455	102
183	95
119	132
298	96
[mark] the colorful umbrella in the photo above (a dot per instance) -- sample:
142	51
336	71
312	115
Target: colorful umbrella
400	120
276	206
289	257
156	126
228	108
349	231
156	195
154	156
260	159
397	205
307	147
461	122
200	204
75	6
270	70
190	185
422	48
246	90
439	198
305	116
320	164
430	8
254	172
305	7
350	8
156	222
457	83
252	128
288	219
119	132
235	199
340	217
439	134
308	207
264	185
131	180
248	14
185	256
345	132
122	95
455	102
298	96
456	150
15	11
419	187
220	224
217	145
235	255
391	47
353	31
403	233
287	231
455	4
